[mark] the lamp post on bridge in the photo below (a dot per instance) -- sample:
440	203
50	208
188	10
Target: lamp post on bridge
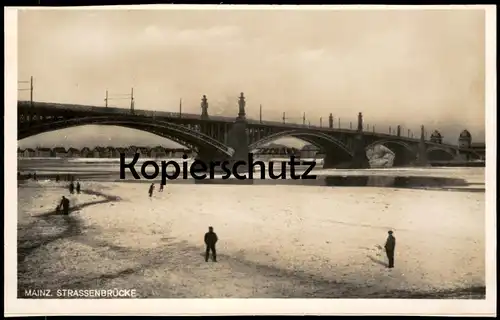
132	101
260	114
350	125
25	89
390	130
304	119
284	118
180	108
321	122
121	97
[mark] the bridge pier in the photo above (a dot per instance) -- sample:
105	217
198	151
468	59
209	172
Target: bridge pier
237	139
422	159
359	159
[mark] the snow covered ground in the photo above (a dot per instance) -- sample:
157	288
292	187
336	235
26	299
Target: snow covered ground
275	241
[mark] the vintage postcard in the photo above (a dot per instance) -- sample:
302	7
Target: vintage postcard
250	160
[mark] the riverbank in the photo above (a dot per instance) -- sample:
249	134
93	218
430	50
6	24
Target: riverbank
275	241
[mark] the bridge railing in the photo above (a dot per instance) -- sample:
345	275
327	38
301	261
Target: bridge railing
189	116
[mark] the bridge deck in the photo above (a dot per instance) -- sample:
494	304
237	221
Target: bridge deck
212	118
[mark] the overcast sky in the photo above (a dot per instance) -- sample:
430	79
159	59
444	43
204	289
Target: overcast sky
397	67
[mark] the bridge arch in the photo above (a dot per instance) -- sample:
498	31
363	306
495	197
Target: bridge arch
334	148
177	133
435	153
404	153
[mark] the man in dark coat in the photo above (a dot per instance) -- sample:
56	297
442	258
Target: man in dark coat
64	205
151	189
210	241
78	187
390	246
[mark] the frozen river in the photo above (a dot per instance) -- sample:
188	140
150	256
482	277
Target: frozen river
276	240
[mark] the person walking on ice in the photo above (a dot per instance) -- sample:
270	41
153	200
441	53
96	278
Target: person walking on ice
210	241
151	189
390	246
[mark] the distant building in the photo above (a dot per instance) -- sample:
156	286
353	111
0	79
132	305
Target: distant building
278	150
43	152
143	152
111	152
158	152
29	153
20	152
177	153
86	152
130	151
309	151
436	137
464	140
59	152
119	151
73	153
99	152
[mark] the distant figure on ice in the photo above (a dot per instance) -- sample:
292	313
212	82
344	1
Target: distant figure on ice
161	187
34	176
78	187
151	189
210	241
390	245
57	178
64	205
71	188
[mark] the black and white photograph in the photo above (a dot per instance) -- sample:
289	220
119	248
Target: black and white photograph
249	152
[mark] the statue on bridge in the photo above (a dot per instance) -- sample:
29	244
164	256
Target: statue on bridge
204	107
241	104
360	122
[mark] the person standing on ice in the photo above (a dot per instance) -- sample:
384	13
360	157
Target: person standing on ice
71	188
151	189
64	205
161	187
210	241
390	245
78	187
